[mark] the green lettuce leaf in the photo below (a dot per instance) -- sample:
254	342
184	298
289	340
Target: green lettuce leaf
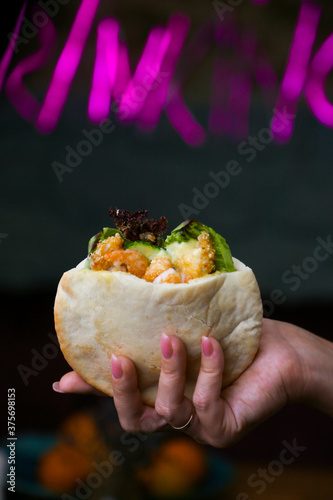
191	229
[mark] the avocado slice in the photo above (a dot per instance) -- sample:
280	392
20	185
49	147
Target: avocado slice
147	249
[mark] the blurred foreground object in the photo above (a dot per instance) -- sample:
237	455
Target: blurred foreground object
79	444
176	467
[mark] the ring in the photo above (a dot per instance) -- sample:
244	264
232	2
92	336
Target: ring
185	426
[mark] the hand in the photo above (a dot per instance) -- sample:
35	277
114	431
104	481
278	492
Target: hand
287	367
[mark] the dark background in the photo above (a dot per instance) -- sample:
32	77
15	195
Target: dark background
271	214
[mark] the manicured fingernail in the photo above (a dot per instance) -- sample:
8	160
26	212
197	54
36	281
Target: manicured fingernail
116	369
166	346
56	387
207	347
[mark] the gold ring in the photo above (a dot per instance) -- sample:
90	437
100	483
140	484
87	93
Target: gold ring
185	426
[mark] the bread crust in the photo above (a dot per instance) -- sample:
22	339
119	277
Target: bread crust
98	313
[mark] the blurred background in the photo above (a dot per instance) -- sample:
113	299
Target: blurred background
274	209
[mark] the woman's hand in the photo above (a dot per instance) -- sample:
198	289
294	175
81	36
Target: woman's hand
289	366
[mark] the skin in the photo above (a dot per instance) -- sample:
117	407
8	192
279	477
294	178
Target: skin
292	365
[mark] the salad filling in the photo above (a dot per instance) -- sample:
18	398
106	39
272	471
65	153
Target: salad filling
191	251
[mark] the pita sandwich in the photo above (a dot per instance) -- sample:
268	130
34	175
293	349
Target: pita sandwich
101	308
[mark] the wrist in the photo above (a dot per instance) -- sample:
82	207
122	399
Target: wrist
312	380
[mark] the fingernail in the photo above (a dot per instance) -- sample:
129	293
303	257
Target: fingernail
56	387
116	369
166	346
207	347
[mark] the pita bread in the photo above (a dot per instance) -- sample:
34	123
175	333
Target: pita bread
98	313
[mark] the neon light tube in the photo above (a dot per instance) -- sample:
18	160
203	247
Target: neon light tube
105	70
146	72
321	66
178	27
5	62
295	74
66	67
22	100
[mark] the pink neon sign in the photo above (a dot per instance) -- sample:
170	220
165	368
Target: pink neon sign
157	83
